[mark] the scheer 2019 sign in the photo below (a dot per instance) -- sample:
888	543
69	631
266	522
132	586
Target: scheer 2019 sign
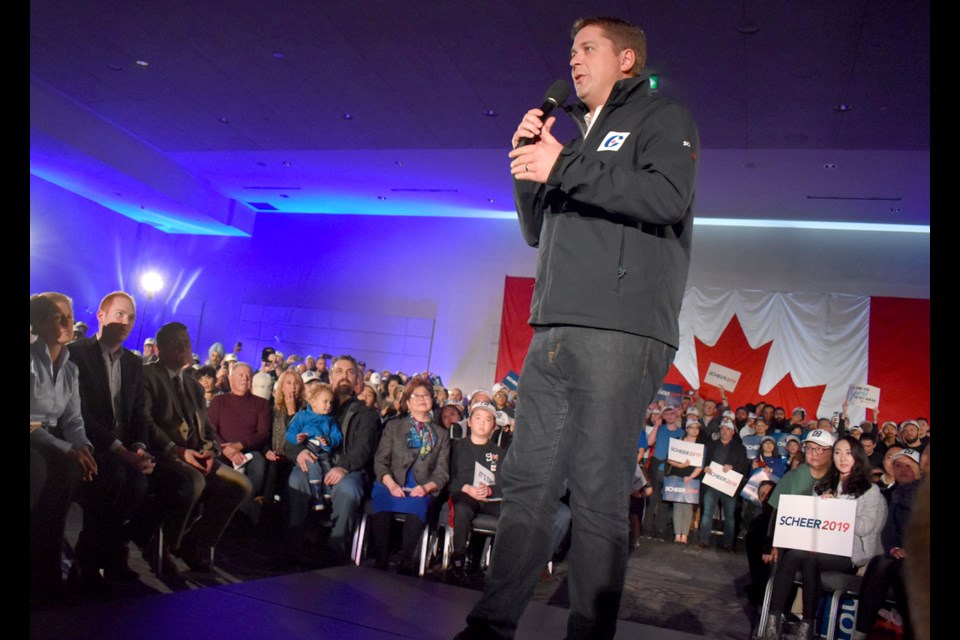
824	525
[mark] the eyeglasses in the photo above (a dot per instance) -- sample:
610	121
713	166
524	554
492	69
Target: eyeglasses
421	396
807	448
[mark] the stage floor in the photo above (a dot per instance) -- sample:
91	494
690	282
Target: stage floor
346	602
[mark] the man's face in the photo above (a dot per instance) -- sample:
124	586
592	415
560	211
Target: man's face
270	364
869	446
764	492
910	433
760	426
343	377
594	66
924	427
215	358
889	430
741	414
905	470
456	394
322	365
888	459
116	321
709	408
670	415
779	414
149	350
240	380
817	456
726	434
178	353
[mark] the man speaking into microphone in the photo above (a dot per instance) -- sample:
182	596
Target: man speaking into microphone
611	214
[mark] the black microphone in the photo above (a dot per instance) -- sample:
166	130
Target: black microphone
556	96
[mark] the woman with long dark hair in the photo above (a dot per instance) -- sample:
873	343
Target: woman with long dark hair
848	479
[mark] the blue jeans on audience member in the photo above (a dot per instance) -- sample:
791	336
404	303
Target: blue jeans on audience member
729	506
345	498
583	393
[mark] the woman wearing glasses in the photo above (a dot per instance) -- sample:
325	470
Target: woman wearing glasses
412	466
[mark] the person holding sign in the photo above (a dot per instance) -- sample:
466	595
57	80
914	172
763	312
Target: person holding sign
849	479
728	452
469	494
682	511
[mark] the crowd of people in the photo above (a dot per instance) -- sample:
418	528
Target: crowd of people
879	465
159	440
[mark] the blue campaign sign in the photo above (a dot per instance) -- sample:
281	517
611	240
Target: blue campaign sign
511	380
670	393
676	490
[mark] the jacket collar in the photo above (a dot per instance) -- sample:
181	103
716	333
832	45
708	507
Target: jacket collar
622	90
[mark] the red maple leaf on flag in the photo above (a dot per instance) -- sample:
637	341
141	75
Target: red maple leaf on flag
734	352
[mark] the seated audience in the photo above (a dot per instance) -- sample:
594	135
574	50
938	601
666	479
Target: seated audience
849	479
411	466
348	479
470	496
241	422
315	427
185	446
61	455
111	402
885	570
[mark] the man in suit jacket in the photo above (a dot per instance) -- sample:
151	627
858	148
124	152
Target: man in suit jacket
111	398
185	445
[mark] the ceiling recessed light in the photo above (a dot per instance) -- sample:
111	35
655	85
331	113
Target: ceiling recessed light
490	113
830	165
287	163
843	107
143	63
381	197
224	120
398	163
347	116
278	55
490	200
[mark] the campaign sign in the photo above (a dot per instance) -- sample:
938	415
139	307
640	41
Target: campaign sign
676	490
681	451
723	482
511	380
863	395
482	475
750	489
670	393
823	525
639	478
721	376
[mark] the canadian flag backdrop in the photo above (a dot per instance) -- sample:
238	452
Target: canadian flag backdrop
791	349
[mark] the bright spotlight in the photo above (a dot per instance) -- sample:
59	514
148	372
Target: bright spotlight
151	282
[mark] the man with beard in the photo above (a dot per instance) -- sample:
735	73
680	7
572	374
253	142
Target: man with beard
348	479
111	398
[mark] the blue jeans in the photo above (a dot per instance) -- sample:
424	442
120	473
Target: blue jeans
582	397
729	506
345	498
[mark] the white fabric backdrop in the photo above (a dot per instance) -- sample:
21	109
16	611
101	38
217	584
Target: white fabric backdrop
818	338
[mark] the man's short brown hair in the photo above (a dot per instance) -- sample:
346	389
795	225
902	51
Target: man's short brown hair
623	35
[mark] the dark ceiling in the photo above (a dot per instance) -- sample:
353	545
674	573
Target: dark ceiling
384	106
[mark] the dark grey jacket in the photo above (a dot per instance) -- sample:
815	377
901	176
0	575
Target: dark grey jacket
614	222
395	457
